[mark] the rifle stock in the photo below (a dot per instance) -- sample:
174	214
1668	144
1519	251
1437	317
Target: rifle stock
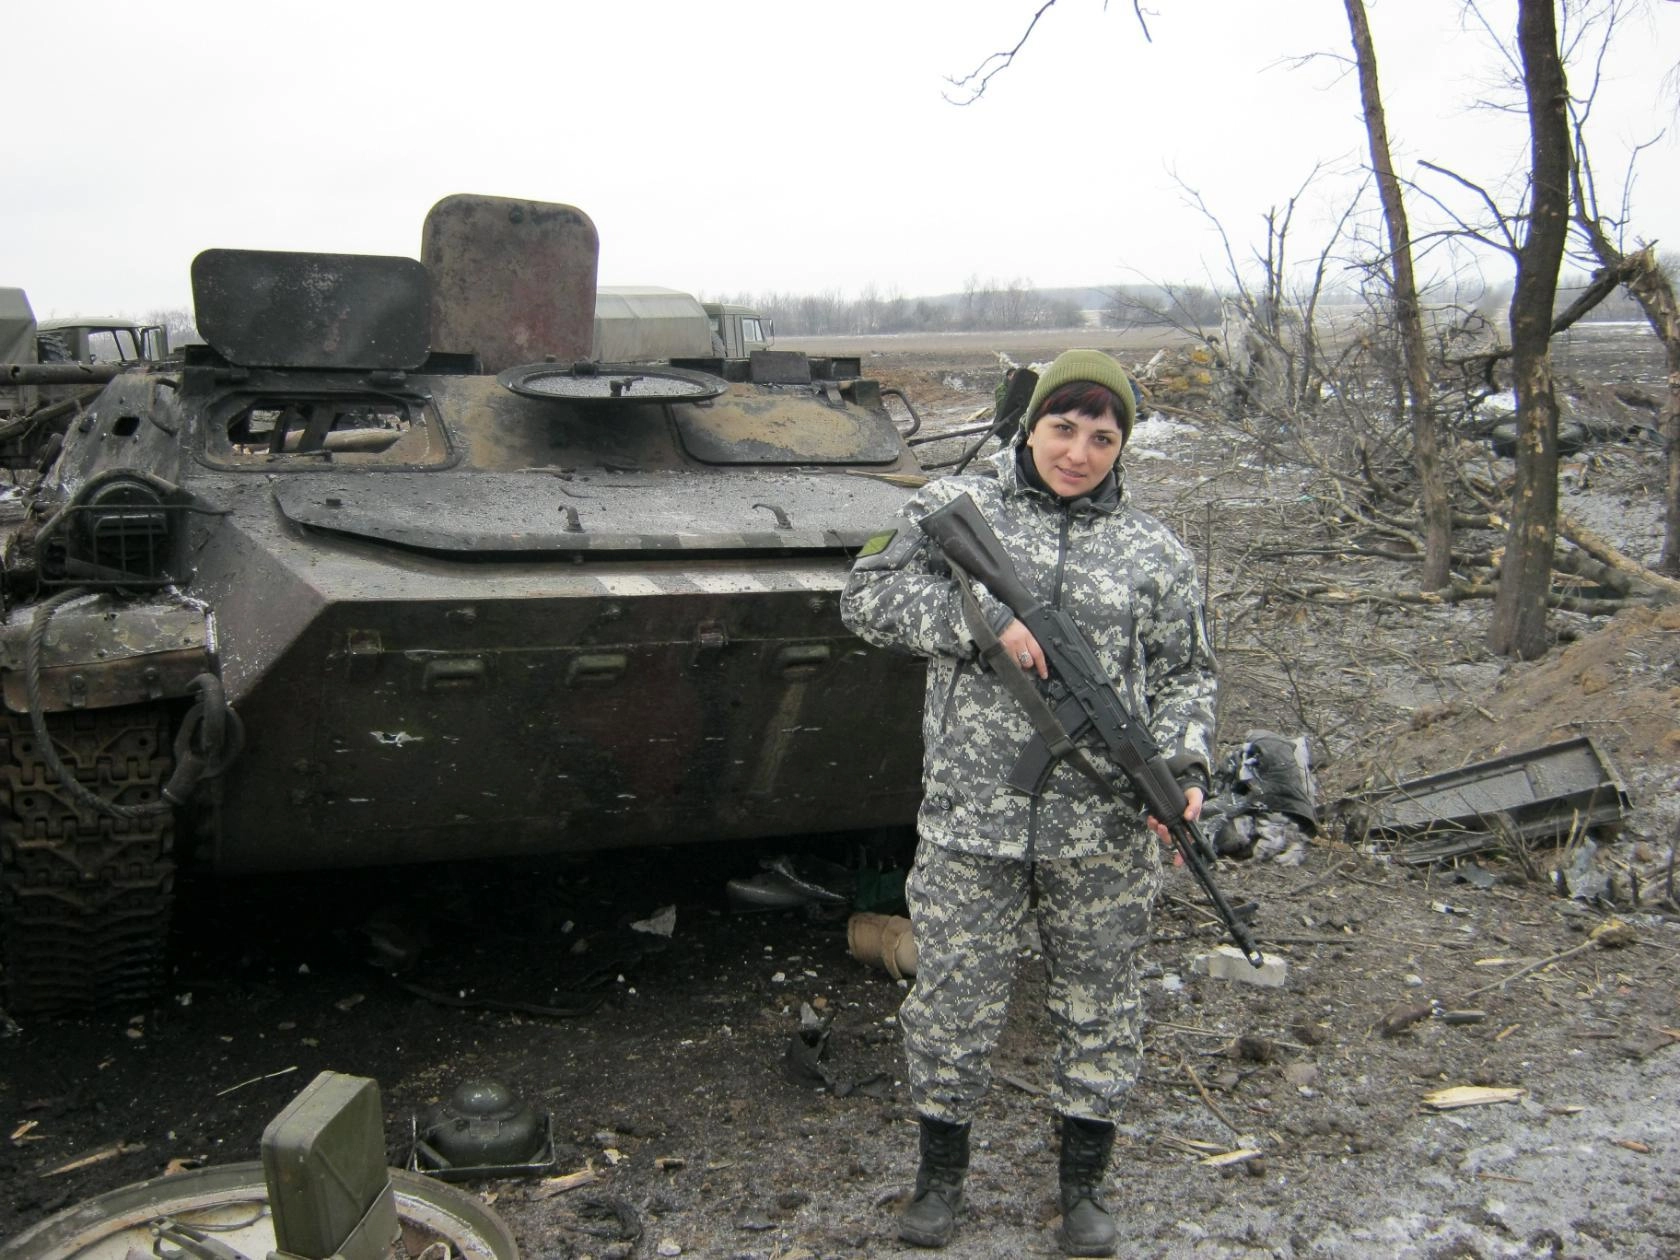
1086	701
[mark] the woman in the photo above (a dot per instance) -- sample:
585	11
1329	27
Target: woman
1083	863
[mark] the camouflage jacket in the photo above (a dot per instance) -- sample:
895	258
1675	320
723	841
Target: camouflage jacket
1128	583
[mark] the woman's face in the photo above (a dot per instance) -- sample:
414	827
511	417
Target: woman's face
1074	452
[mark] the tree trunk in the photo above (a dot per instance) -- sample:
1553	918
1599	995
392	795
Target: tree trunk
1654	292
1670	563
1426	444
1519	615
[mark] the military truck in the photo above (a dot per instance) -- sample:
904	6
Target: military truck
17	346
100	339
392	570
48	370
741	329
641	324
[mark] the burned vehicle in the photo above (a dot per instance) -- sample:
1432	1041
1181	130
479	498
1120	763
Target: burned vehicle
388	571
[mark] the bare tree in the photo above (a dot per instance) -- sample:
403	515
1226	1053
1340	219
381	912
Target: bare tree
1426	445
972	86
1519	610
1650	284
177	321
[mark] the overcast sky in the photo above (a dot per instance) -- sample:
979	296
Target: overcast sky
742	145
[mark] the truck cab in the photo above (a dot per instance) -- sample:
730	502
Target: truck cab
98	339
741	329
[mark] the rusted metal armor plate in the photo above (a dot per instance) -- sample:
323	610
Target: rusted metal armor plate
107	652
269	308
512	281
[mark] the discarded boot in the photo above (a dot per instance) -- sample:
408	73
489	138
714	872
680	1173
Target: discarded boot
1087	1228
931	1217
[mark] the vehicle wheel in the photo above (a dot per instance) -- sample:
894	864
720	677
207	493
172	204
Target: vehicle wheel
85	897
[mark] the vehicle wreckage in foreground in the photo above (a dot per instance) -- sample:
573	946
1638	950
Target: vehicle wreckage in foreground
390	572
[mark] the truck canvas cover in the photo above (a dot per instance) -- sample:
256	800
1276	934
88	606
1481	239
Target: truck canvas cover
646	324
17	327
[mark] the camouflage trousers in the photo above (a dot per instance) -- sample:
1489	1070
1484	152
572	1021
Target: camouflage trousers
1093	918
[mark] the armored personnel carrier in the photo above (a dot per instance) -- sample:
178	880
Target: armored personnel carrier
389	571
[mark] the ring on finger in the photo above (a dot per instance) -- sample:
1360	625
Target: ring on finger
1024	656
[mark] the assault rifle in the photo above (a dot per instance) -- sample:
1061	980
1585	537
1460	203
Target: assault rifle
1079	699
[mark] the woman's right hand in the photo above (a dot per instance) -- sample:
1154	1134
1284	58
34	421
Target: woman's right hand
1023	649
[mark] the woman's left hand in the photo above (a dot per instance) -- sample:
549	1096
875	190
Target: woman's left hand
1192	811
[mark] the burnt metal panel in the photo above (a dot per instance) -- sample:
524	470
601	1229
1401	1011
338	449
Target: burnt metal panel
1541	795
647	513
106	651
271	308
408	731
512	280
780	367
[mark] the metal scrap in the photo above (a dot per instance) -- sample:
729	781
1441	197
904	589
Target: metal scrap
1543	796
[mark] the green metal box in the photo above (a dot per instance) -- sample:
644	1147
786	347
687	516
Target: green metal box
328	1182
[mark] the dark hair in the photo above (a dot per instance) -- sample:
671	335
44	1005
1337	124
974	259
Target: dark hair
1084	398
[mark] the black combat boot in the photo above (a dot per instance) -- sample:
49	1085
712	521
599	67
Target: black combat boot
1087	1228
931	1217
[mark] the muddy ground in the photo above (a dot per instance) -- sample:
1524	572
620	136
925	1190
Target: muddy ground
664	1063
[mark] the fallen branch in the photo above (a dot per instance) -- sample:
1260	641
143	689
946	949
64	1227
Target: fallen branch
1600	549
1202	1090
242	1084
548	1187
1458	592
1319	879
98	1157
1026	1087
1606	937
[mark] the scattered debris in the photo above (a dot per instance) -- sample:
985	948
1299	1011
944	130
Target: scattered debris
104	1153
1207	1099
1025	1086
1239	1156
626	1221
223	1093
1401	1018
883	941
1611	934
1227	963
1262	804
1457	1096
548	1187
1301	1075
662	922
804	1063
794	880
1547	795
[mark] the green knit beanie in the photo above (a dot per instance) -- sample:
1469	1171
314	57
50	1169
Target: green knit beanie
1085	365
